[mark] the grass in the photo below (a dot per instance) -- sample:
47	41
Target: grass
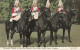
75	37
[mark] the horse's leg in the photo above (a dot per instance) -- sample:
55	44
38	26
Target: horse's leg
27	37
22	45
44	39
7	32
39	38
51	37
30	35
73	19
28	40
12	33
63	35
69	35
21	41
55	37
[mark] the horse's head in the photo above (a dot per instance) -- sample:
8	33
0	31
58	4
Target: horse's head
26	14
47	12
73	11
42	8
62	16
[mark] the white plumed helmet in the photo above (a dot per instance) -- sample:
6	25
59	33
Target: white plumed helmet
16	2
48	3
60	3
34	1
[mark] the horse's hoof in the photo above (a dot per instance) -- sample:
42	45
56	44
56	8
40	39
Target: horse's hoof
7	43
24	45
11	42
44	46
56	43
38	45
21	46
70	41
50	43
62	41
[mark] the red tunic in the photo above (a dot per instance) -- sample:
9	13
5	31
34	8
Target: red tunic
13	12
32	8
58	10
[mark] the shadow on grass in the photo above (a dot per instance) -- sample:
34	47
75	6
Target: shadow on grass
47	39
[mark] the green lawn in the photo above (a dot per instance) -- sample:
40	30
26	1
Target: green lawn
75	37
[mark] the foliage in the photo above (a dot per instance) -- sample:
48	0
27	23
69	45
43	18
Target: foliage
6	6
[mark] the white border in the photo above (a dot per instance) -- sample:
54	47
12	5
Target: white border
39	48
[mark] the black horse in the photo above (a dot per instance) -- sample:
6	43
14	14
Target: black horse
21	24
27	32
54	25
67	23
42	24
44	21
48	20
61	20
72	14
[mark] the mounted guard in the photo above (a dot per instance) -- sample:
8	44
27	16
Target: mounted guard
60	7
16	11
48	9
16	15
35	10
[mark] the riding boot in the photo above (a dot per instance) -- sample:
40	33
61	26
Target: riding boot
15	25
17	28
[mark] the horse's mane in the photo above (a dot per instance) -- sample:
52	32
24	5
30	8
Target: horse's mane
24	15
56	15
69	15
